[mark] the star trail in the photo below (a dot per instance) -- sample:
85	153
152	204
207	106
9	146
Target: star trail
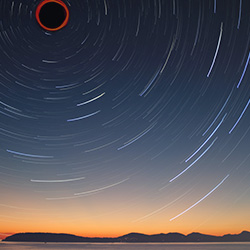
133	116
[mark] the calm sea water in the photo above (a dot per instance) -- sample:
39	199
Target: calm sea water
115	246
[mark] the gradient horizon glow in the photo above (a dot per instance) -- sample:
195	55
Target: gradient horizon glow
132	118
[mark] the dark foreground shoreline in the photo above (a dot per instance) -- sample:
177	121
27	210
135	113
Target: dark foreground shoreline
129	238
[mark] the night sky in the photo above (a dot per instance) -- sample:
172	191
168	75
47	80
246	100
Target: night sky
133	117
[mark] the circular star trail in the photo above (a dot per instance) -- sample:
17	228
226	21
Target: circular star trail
135	113
52	15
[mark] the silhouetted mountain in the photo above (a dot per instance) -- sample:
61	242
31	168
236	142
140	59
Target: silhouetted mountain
197	237
136	237
51	237
131	237
243	236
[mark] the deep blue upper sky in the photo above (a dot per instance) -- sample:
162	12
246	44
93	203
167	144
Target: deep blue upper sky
145	99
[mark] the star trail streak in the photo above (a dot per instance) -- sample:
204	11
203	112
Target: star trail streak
29	155
137	137
83	117
216	52
93	99
244	71
203	198
198	158
224	105
102	188
58	181
244	110
209	137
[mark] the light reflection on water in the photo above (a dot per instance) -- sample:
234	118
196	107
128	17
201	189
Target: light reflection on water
124	246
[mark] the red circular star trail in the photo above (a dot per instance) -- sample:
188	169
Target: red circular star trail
52	15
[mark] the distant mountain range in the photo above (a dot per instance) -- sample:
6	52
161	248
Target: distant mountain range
130	238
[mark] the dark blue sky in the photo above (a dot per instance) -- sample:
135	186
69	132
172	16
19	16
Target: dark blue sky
135	115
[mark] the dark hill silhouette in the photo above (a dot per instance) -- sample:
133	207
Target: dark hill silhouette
51	237
131	237
136	237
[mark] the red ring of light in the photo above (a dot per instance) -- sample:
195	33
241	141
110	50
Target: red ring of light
41	4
